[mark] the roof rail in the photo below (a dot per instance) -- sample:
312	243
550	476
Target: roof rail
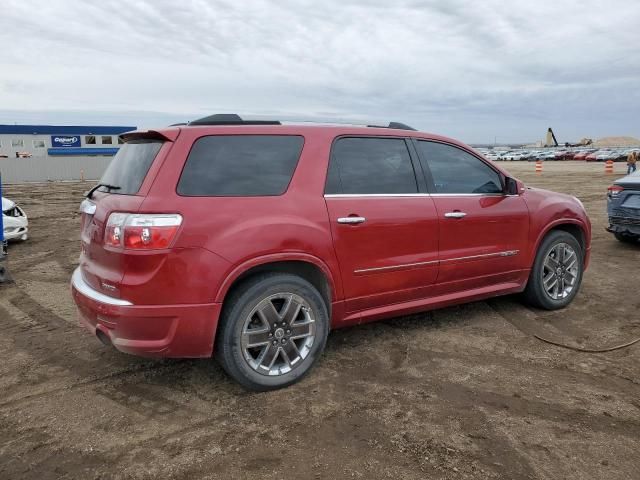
396	125
234	119
230	119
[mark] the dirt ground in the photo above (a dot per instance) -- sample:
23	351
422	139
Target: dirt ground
465	392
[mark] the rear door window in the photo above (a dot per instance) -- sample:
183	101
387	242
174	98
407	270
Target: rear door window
130	166
365	166
240	165
456	171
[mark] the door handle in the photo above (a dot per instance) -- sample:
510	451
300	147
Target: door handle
351	220
455	215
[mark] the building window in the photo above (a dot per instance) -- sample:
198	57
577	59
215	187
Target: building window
106	140
17	142
90	140
38	143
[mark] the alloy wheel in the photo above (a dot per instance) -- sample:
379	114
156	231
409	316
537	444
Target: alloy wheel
560	271
278	334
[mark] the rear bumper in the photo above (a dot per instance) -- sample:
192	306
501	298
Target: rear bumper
624	225
182	331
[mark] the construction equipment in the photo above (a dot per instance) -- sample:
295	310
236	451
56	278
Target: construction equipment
551	141
550	138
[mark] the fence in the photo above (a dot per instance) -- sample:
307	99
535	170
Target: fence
40	169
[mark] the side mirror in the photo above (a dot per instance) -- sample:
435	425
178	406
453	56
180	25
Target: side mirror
511	186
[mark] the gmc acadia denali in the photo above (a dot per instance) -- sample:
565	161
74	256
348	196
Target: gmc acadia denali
250	240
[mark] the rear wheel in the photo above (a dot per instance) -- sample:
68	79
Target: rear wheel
556	275
625	238
273	329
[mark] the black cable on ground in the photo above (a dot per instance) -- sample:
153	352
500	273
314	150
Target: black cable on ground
497	309
587	350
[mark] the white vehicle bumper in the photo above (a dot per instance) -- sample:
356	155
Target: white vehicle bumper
15	228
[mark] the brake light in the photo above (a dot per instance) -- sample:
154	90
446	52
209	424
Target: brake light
138	231
614	190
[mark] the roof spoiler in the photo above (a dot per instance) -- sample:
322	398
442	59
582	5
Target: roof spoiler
164	135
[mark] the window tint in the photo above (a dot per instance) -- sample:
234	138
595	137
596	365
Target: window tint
38	143
106	140
130	165
17	142
456	171
370	166
240	165
90	140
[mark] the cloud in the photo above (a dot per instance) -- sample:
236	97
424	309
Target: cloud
473	70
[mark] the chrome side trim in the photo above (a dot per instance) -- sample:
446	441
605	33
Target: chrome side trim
467	195
508	253
82	287
385	195
402	195
380	269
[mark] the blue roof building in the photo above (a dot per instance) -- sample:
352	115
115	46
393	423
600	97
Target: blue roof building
60	140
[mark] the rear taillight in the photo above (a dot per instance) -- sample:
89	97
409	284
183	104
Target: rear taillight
137	231
614	190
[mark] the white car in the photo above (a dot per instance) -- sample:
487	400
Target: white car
14	220
603	155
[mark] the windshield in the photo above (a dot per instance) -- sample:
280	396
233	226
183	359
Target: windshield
129	167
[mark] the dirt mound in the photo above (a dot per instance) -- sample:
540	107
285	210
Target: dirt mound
617	142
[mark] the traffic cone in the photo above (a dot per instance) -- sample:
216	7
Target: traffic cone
608	167
538	167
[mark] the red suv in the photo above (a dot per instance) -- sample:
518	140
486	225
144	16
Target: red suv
251	240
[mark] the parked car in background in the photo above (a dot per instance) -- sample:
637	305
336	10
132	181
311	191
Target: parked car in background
623	208
591	157
505	156
14	220
251	241
580	155
547	156
624	154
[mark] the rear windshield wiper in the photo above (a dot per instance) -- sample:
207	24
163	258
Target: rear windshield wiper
108	186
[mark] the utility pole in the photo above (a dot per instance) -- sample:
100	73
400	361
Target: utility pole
5	277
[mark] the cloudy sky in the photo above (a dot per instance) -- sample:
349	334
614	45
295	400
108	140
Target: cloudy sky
474	70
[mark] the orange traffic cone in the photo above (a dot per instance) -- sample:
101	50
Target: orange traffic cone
538	167
608	166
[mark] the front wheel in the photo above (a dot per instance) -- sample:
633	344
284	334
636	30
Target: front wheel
557	271
272	331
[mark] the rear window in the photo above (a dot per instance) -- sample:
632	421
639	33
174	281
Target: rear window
130	166
240	165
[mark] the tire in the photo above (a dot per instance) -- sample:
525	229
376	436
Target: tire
269	366
547	267
624	238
